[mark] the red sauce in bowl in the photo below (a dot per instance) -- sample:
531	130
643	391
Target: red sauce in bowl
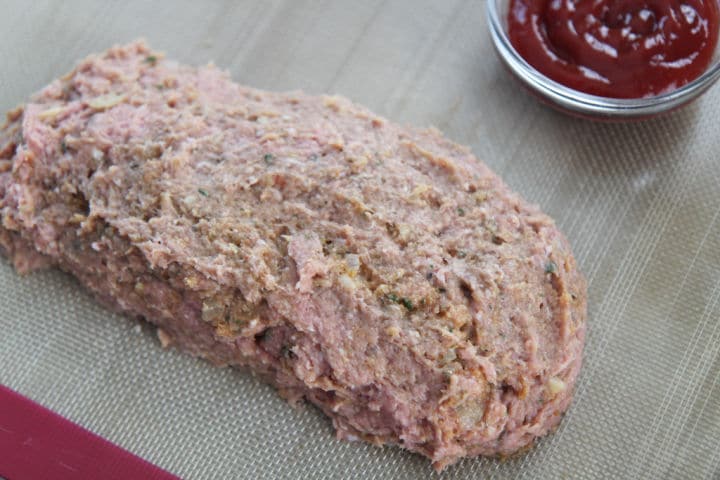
616	48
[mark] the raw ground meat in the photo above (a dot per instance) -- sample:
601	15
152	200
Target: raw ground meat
381	272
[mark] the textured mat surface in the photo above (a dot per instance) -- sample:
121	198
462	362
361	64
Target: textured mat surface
640	203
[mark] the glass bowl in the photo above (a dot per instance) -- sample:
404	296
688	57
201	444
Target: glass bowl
582	104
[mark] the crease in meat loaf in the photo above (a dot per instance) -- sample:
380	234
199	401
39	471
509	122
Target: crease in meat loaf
381	272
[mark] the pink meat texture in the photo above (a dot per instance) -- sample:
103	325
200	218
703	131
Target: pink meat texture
380	272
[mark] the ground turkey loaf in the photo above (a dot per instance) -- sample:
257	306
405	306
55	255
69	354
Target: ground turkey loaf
381	272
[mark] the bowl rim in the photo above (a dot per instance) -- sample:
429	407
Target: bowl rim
584	103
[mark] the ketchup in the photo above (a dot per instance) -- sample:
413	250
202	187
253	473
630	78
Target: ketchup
616	48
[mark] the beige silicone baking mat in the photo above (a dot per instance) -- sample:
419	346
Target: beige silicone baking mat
640	203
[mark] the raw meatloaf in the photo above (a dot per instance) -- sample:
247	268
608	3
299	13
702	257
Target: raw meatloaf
382	273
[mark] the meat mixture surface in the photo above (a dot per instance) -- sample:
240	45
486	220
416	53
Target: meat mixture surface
380	272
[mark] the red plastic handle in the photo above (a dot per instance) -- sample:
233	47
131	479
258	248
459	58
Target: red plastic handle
36	443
